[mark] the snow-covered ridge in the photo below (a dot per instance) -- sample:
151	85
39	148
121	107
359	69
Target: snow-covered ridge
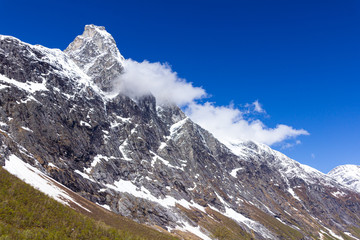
30	87
56	58
348	175
287	166
61	64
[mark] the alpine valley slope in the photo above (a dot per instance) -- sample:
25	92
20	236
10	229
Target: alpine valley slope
149	162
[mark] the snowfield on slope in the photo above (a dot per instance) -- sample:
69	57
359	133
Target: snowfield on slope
38	180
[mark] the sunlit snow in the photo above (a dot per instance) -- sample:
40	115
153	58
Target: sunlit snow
38	180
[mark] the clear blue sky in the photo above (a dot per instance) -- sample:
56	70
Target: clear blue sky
300	59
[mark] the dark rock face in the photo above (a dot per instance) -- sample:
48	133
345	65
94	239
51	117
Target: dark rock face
144	160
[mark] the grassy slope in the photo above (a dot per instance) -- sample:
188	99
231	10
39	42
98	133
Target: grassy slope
26	213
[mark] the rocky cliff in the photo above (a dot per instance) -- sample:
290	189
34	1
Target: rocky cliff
150	162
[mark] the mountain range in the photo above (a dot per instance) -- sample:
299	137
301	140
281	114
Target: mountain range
64	128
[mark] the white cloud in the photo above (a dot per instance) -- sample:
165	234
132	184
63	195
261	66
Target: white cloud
228	125
256	107
290	145
158	79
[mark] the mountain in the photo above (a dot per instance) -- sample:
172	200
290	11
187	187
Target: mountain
148	161
348	175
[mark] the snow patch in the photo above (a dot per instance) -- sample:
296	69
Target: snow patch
29	98
291	191
338	194
194	230
84	175
191	189
124	151
97	159
175	127
331	233
38	180
162	145
234	171
3	86
236	147
52	165
30	87
27	129
61	92
115	123
104	206
123	119
350	235
165	162
141	192
231	213
237	217
82	123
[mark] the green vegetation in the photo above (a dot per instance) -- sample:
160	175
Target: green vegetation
356	231
222	233
225	228
26	213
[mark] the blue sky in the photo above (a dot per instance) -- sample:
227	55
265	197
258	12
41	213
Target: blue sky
299	59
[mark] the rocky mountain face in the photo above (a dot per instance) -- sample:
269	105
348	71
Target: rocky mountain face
348	175
95	52
149	162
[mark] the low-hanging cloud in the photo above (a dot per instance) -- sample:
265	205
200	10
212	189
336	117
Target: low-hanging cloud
142	78
227	123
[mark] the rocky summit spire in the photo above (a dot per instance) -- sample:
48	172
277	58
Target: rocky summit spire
95	52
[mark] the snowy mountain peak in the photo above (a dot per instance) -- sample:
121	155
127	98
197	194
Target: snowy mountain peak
150	162
96	53
348	175
91	29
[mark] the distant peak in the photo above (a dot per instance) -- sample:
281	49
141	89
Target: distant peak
348	175
96	53
346	167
